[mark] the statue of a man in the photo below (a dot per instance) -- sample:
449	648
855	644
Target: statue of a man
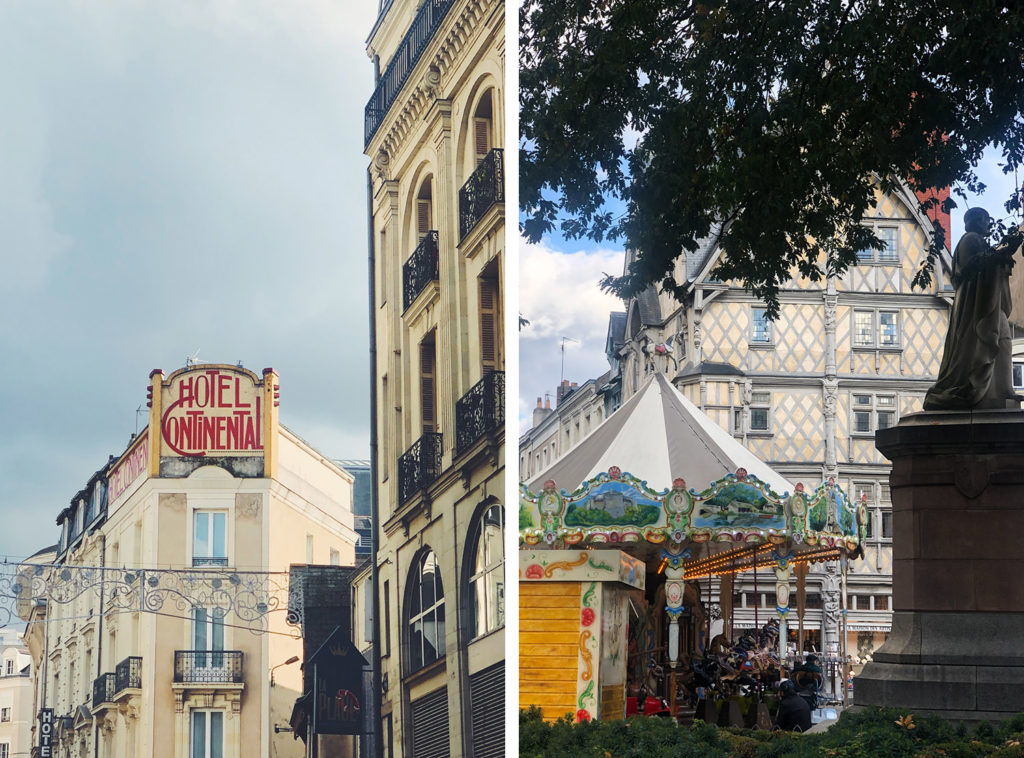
977	368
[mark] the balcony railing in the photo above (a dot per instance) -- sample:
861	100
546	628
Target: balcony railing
208	666
129	673
480	411
419	465
103	689
199	562
420	270
428	18
484	188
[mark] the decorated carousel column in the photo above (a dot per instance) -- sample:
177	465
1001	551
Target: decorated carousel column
674	592
678	506
783	569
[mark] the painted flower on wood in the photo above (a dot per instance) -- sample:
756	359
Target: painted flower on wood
582	715
587	616
534	571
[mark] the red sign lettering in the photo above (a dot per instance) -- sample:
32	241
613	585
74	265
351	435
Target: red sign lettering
212	412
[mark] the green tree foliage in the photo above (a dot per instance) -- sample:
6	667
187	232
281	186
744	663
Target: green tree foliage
766	123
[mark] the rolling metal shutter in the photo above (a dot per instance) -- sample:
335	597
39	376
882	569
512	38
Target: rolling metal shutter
430	725
487	707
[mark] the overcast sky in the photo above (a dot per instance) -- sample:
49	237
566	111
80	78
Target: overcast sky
175	176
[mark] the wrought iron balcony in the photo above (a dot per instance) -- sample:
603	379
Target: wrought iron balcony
419	465
208	666
480	411
420	270
484	188
103	689
428	18
198	562
129	674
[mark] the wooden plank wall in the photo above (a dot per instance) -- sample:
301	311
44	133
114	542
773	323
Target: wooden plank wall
549	623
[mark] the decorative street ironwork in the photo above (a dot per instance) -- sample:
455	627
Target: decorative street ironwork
245	598
420	270
103	689
428	18
419	465
480	411
484	188
128	674
207	666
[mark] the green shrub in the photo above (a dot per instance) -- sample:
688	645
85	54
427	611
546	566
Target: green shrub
870	733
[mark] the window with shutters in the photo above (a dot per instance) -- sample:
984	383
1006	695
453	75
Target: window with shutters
425	614
424	209
490	320
428	384
482	167
483	128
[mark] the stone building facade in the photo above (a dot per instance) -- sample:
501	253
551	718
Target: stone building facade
155	631
435	137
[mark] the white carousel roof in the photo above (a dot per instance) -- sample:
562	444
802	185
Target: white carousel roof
658	435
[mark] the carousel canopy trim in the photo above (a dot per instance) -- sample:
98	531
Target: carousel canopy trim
617	507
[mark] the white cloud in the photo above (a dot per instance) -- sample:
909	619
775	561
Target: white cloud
560	294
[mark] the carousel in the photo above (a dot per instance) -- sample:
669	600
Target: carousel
627	570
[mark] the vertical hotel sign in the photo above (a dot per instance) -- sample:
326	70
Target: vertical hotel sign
213	411
46	733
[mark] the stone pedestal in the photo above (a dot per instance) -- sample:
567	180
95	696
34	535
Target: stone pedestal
957	642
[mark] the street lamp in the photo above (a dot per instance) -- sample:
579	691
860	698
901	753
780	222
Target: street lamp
293	659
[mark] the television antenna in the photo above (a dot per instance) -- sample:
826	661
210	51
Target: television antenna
562	348
193	360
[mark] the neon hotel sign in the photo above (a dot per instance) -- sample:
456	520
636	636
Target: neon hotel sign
212	411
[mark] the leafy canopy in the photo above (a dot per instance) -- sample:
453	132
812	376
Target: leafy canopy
766	123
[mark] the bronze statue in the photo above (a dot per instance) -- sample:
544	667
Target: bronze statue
977	369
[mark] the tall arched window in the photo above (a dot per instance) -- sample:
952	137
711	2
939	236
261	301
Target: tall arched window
426	612
487	571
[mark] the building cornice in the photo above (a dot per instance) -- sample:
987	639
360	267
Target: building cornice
425	83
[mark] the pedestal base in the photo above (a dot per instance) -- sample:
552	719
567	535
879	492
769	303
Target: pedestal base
961	666
957	643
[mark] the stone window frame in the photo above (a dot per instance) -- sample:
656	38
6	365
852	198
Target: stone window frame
493	568
415	612
207	728
207	560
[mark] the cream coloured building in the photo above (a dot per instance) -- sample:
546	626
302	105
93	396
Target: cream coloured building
806	393
156	630
434	136
15	695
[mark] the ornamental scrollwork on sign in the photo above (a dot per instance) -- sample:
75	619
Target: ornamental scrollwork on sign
246	598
